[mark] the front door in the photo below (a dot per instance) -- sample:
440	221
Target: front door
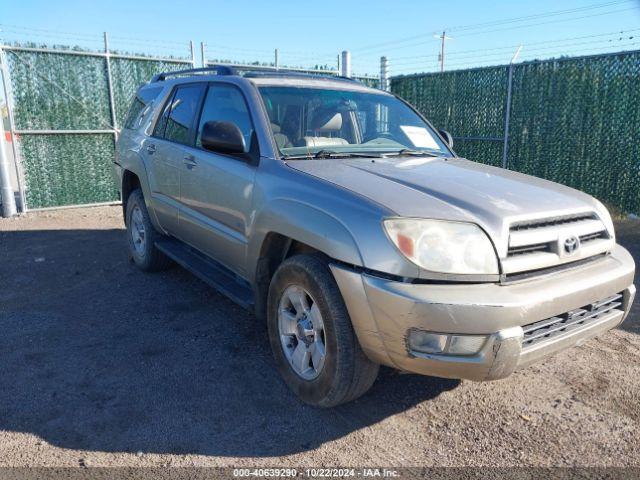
216	190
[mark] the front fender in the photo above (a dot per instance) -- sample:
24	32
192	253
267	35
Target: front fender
305	223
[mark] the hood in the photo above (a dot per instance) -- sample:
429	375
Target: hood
452	189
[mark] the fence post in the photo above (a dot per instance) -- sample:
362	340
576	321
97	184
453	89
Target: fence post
384	74
202	55
8	97
193	54
345	67
6	190
112	103
507	116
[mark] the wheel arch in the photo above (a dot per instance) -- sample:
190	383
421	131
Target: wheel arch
134	175
292	227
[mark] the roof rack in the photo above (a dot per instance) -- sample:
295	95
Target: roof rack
218	69
289	73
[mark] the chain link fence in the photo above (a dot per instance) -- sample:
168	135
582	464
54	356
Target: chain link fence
574	121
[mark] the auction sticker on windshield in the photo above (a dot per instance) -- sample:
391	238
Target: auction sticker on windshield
419	136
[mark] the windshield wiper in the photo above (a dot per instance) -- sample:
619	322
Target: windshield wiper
409	151
321	154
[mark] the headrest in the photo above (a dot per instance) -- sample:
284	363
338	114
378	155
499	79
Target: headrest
327	123
275	128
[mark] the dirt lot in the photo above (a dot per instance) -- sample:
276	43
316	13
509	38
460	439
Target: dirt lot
101	364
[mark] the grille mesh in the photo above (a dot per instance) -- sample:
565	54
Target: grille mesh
549	328
551	222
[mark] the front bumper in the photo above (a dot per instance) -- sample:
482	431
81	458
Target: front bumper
383	311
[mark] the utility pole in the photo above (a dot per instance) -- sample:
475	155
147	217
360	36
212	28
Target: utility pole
345	64
507	110
515	55
443	39
203	55
276	59
384	74
6	190
193	54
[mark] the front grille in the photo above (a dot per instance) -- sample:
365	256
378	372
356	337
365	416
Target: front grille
553	327
593	236
538	247
539	244
552	222
549	246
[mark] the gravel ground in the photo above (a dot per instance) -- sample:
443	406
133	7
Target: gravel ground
102	365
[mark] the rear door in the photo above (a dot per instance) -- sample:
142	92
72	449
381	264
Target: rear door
165	152
216	190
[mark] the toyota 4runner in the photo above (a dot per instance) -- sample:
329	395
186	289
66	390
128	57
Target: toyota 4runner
345	220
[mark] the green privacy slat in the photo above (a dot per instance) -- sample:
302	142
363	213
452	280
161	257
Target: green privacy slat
480	151
68	169
574	121
372	82
577	122
54	91
129	74
57	91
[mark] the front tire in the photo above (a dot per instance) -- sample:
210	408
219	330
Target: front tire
313	342
142	236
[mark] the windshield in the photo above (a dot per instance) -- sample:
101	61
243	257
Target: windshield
313	121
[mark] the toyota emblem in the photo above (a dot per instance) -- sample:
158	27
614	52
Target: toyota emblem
571	244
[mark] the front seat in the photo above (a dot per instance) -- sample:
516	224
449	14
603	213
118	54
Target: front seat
281	139
322	128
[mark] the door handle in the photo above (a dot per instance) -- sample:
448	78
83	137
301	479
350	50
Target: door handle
189	160
151	148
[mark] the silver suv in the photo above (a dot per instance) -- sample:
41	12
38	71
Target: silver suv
340	216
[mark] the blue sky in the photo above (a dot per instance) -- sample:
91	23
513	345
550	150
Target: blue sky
308	33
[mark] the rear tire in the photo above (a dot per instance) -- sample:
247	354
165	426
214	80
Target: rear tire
345	372
142	236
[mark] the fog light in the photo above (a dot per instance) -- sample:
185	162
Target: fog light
426	342
465	344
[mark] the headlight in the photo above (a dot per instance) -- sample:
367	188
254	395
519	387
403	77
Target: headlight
442	246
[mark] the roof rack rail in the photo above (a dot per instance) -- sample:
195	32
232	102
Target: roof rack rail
290	73
218	69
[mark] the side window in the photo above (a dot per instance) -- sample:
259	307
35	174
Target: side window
226	103
179	114
138	108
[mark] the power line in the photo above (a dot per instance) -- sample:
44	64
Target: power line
57	32
526	45
471	64
415	37
550	22
527	50
535	16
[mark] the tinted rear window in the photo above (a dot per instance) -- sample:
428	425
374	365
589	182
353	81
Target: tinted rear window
184	107
143	98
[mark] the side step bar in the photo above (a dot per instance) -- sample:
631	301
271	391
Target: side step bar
209	271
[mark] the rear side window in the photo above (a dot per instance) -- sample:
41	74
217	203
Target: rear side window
176	123
140	106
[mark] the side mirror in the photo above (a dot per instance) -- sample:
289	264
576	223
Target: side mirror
222	137
447	137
